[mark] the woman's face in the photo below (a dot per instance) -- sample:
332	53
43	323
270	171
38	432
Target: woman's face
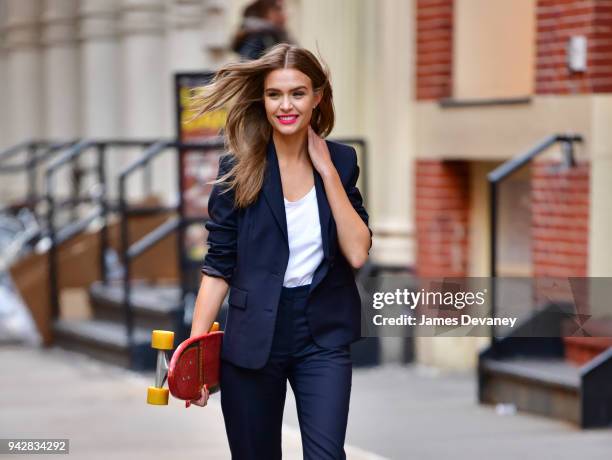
289	100
276	14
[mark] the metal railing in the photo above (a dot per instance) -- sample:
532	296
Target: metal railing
38	153
498	175
99	199
129	252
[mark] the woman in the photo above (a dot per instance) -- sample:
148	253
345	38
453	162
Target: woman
263	26
287	228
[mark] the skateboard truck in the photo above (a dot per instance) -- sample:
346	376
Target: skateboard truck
163	341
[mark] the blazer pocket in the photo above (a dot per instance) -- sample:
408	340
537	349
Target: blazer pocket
237	298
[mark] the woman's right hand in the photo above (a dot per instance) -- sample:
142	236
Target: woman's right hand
203	400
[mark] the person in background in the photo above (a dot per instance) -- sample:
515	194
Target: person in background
263	26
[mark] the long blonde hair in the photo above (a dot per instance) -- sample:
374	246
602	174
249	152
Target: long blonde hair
239	86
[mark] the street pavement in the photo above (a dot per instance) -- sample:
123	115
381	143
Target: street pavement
397	412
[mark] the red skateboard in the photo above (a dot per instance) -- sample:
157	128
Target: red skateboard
194	363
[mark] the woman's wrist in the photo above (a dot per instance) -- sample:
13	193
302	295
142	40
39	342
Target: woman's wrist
328	172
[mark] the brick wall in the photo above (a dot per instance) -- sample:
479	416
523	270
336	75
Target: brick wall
442	202
557	21
560	215
434	49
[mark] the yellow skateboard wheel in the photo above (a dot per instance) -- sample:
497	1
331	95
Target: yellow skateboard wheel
162	340
157	396
214	327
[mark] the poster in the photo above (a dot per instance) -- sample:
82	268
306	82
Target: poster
197	167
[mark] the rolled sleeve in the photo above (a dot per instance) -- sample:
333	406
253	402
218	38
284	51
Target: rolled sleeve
355	197
222	227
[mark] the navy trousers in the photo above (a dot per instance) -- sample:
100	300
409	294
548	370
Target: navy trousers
253	400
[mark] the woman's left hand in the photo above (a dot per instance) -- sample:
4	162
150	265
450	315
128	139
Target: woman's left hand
319	153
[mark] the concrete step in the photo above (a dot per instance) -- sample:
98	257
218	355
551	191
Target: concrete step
154	306
106	341
544	386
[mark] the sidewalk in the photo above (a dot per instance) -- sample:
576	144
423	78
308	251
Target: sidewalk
411	412
102	409
396	412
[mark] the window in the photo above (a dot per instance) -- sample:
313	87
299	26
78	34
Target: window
493	49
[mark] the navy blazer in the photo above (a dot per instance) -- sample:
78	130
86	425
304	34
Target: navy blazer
249	248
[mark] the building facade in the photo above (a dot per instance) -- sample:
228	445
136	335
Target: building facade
442	91
493	80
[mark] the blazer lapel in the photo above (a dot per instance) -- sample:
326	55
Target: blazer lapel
273	189
324	212
324	218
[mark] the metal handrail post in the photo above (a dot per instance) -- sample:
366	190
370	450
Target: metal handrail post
127	306
52	256
103	202
493	253
31	172
180	237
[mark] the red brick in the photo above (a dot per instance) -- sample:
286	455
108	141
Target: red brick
557	20
441	214
434	23
560	215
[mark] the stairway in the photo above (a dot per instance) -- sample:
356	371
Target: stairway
533	374
548	387
104	337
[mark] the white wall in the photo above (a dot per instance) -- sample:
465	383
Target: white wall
101	69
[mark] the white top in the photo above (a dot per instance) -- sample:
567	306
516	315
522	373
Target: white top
305	244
